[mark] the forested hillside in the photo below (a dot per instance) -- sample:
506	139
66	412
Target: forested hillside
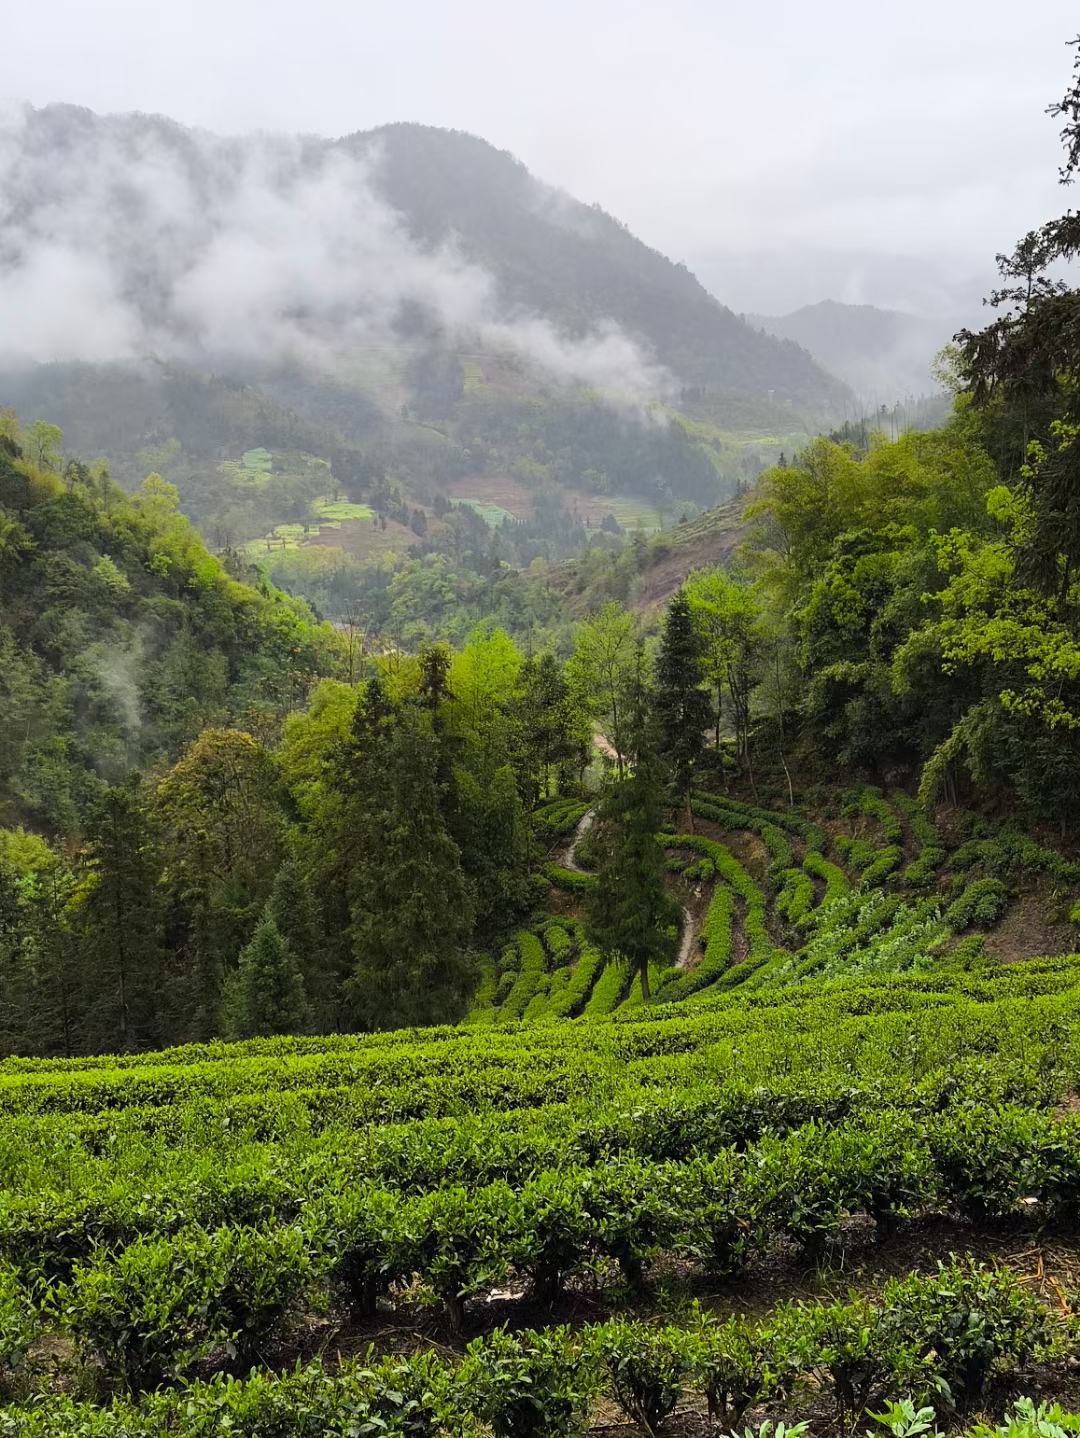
457	332
618	975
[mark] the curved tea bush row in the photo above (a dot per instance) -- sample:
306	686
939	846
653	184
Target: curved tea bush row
733	874
796	897
558	818
573	880
532	975
608	989
158	1303
715	937
833	877
813	837
875	806
779	850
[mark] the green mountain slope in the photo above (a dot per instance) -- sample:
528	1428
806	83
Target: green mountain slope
570	261
121	638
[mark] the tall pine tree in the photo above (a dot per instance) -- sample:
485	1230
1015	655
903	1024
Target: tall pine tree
407	895
681	705
265	993
630	910
119	922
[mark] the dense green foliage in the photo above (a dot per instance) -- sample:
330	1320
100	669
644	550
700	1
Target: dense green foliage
361	1173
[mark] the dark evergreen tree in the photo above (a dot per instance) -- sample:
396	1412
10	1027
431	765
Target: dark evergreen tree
408	898
631	912
554	735
294	910
56	982
265	993
487	821
12	963
119	924
682	707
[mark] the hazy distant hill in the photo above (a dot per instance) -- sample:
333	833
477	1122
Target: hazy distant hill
127	235
882	354
401	315
574	263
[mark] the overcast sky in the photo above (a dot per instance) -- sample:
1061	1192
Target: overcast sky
817	136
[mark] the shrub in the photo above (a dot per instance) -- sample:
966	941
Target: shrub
635	1209
989	1158
724	1220
646	1368
264	1276
528	1385
981	904
969	1318
454	1239
145	1313
738	1364
551	1238
358	1233
18	1325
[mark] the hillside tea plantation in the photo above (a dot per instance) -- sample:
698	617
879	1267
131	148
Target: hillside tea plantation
525	911
809	1200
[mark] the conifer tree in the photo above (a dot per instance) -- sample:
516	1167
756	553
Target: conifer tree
294	910
119	922
12	934
630	909
56	986
682	707
265	994
408	898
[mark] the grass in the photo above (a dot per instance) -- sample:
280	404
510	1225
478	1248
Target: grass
492	514
631	511
338	509
330	514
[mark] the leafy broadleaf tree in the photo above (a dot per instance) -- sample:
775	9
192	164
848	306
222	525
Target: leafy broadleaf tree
728	620
601	673
680	704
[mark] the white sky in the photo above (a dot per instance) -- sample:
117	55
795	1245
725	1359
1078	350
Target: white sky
785	128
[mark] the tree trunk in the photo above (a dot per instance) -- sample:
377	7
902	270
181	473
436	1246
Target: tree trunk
644	972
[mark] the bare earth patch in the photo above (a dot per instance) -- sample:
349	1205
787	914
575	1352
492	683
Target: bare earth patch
1025	933
508	493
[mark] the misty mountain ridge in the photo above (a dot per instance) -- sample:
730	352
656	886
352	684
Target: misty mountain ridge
125	236
884	355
